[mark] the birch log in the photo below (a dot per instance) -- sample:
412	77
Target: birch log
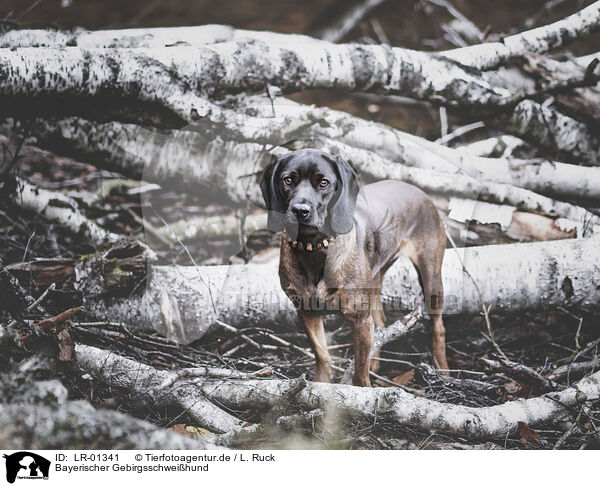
541	39
255	61
161	388
483	56
248	65
553	130
399	407
61	209
78	425
526	276
150	38
174	77
389	404
572	138
517	226
221	226
192	161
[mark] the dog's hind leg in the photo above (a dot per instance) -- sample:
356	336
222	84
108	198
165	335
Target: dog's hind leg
429	268
363	341
426	255
379	320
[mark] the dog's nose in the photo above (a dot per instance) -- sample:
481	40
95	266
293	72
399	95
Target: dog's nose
301	211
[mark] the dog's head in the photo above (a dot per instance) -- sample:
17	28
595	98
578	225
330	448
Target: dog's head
309	190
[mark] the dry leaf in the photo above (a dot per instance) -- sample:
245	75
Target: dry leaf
196	430
528	436
511	387
524	391
404	378
181	429
268	371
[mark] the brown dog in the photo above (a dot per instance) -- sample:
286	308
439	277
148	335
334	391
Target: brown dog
338	242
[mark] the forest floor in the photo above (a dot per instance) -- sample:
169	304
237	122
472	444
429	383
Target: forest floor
540	340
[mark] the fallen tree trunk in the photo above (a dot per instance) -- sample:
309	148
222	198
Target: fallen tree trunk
176	78
213	227
401	408
277	60
389	404
168	156
553	130
554	179
542	39
249	65
190	160
78	425
482	56
526	277
409	149
61	209
155	37
500	221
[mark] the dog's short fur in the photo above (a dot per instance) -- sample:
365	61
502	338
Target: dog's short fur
354	234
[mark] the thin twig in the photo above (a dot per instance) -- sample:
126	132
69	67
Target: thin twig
569	432
237	333
35	304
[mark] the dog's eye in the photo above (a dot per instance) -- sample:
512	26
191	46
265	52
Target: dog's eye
324	183
287	180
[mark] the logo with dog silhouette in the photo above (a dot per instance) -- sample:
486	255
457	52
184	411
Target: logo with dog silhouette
26	465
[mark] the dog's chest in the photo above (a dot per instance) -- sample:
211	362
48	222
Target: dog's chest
316	281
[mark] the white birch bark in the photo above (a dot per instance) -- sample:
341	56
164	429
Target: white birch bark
190	160
81	73
390	404
149	37
156	387
62	209
173	76
556	179
549	178
482	56
213	227
401	408
553	130
539	40
526	276
77	424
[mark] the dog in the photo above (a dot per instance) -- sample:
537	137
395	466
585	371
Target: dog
338	241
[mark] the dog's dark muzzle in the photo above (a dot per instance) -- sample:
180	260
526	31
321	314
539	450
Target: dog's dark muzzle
302	212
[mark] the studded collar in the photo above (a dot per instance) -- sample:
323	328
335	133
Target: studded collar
308	246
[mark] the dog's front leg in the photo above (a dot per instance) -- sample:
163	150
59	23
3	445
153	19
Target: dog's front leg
313	323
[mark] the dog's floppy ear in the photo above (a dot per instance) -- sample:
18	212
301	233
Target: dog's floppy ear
341	211
271	192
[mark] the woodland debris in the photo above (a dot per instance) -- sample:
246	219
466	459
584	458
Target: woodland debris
391	404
